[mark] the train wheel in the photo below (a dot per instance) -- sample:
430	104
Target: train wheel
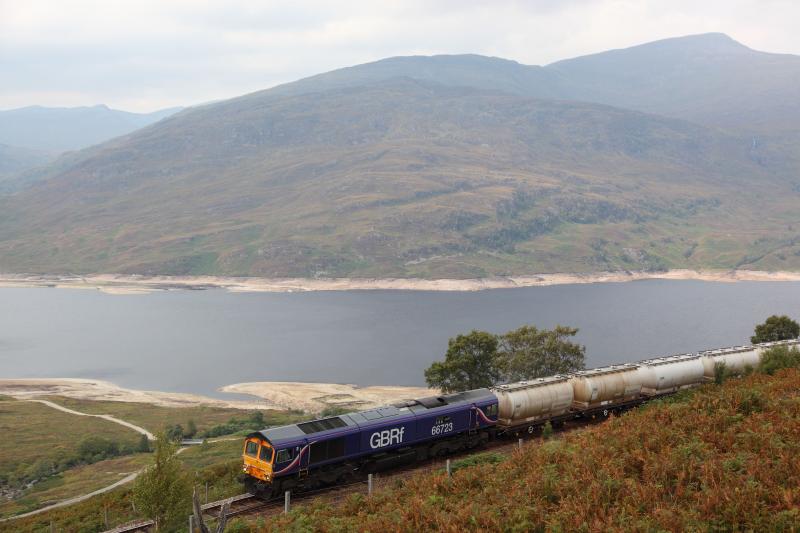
531	429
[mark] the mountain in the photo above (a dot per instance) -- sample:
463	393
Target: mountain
431	167
14	160
58	129
710	79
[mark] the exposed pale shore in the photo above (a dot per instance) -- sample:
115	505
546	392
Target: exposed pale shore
90	389
132	284
314	397
309	397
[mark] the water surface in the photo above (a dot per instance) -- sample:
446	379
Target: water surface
196	341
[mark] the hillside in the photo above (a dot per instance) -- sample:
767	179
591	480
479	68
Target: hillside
447	166
709	78
720	459
14	160
58	129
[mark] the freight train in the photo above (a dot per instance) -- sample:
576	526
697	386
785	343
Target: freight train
336	449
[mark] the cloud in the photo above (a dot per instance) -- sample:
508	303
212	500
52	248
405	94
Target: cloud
147	54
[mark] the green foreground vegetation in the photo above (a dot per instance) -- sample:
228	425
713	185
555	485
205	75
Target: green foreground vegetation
40	442
720	458
52	456
639	472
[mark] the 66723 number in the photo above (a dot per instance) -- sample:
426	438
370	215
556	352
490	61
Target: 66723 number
442	428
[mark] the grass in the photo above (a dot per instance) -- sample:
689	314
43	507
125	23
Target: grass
155	418
198	457
39	436
75	481
721	458
34	434
217	464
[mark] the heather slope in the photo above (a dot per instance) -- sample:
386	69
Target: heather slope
719	459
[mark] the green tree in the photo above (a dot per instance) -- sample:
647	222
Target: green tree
191	429
529	352
163	492
776	328
144	444
468	364
174	432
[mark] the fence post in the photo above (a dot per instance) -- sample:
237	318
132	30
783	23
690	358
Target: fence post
191	523
52	527
369	484
287	497
520	444
105	515
447	466
206	491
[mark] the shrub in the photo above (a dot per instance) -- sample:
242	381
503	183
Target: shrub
334	410
779	357
254	422
479	459
547	430
720	372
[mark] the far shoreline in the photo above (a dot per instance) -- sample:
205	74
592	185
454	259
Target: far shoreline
140	284
309	397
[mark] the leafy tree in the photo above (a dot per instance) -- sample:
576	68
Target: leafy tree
93	449
174	432
776	328
529	352
191	429
257	420
469	363
163	491
144	444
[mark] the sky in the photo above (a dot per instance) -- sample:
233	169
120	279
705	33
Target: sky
143	55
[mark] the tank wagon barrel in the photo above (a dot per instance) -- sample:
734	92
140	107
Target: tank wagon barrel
528	402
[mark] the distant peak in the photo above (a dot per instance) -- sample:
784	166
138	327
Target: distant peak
719	41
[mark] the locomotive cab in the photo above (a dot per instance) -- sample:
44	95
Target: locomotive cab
258	457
